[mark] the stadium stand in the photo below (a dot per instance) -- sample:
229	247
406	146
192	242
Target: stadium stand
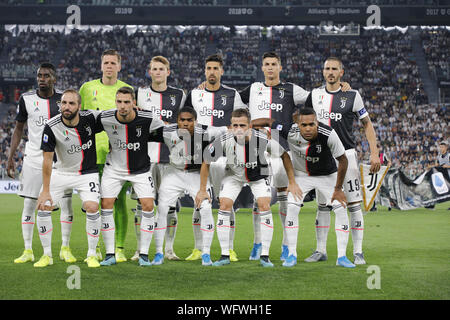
379	63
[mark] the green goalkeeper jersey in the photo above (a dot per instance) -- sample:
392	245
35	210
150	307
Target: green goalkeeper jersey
97	96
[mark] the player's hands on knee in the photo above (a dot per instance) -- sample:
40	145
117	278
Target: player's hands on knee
375	163
297	193
339	196
45	202
201	195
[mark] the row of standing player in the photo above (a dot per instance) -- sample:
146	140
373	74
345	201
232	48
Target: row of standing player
271	99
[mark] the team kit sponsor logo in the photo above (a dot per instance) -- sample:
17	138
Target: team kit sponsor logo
215	113
130	146
77	148
329	115
41	121
270	106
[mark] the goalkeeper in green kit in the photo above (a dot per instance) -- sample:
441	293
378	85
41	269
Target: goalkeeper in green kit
100	94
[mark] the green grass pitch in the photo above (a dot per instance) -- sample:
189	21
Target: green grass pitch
410	248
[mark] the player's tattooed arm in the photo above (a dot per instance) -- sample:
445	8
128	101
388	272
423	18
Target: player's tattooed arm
202	194
375	163
45	200
338	193
15	141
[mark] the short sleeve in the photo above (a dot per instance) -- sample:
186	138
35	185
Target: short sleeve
358	107
300	95
22	114
245	95
48	142
238	103
335	145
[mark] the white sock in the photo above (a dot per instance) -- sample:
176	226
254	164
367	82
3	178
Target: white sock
207	226
223	231
291	227
137	223
171	231
341	226
357	227
282	198
232	228
28	221
160	227
45	228
266	231
66	219
93	225
147	227
256	224
322	226
198	243
108	230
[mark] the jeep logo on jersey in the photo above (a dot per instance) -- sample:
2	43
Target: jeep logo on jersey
329	115
224	100
162	112
130	146
270	106
215	113
307	158
248	165
41	121
75	148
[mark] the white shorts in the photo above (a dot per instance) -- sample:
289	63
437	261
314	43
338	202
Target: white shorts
176	183
279	176
112	183
232	186
217	170
30	180
157	170
87	186
352	181
324	186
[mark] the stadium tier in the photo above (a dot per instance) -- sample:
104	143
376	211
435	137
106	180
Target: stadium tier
380	63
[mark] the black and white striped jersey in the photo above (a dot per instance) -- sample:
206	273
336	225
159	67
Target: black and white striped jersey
338	110
187	151
278	102
214	108
247	161
164	105
36	111
128	142
316	158
74	146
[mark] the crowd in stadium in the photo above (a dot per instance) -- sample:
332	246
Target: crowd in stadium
378	63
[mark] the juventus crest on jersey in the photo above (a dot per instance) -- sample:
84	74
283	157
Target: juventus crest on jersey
338	110
214	108
74	146
165	105
36	111
129	141
316	157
